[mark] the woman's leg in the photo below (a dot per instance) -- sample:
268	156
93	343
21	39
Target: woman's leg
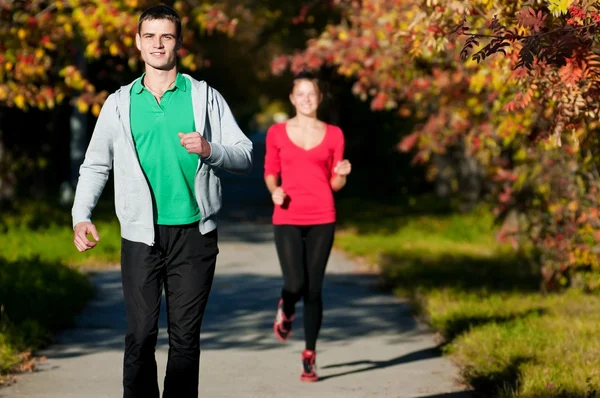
290	251
319	240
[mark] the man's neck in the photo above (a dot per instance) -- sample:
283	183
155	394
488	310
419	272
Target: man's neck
159	80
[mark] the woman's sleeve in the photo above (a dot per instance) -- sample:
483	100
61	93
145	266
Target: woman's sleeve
272	161
338	149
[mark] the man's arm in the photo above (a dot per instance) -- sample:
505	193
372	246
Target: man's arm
94	171
234	153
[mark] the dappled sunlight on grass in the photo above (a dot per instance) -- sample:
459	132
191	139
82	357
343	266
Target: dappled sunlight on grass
555	339
509	339
37	298
38	229
40	290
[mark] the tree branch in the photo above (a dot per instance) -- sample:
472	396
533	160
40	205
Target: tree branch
559	30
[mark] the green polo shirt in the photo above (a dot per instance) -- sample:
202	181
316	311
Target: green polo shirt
169	168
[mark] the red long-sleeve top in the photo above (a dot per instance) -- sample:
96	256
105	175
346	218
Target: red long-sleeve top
305	175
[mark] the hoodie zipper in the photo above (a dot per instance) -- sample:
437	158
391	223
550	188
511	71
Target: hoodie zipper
128	131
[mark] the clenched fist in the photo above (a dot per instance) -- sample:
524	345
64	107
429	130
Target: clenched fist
195	143
342	168
278	196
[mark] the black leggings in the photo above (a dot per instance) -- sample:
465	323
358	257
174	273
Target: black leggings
303	251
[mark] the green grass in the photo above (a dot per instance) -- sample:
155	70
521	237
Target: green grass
41	289
44	230
37	298
508	338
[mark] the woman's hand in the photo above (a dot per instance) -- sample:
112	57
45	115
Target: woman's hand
342	168
278	196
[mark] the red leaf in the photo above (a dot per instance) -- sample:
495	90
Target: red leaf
528	18
408	142
571	73
379	101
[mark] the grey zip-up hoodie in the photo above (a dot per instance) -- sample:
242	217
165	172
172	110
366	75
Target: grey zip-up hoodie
112	147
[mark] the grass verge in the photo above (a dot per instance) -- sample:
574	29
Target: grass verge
37	298
44	230
40	288
508	339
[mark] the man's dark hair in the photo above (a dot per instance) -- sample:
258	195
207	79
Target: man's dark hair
161	12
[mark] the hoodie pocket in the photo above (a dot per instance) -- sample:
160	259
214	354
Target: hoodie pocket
131	198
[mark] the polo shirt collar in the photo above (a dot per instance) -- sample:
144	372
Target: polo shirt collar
180	83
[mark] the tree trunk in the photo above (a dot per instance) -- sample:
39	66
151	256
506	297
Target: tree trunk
7	177
78	126
459	175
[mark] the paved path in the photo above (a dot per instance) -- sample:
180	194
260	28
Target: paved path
370	344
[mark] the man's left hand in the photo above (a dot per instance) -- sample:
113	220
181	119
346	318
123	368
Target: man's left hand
195	143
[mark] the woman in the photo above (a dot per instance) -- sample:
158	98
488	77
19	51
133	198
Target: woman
304	165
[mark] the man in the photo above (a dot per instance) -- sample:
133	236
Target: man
164	135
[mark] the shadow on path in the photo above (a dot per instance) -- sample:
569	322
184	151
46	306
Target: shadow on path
368	365
240	314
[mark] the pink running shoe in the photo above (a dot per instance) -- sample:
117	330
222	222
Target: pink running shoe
308	366
282	325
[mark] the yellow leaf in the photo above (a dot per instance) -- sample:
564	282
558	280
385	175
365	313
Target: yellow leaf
8	66
572	206
50	46
472	102
20	101
343	35
82	107
521	154
478	82
559	7
113	49
90	50
96	110
22	33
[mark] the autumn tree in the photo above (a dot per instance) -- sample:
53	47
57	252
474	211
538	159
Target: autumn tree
40	42
513	83
46	48
74	51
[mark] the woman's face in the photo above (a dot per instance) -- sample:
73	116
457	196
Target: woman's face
305	97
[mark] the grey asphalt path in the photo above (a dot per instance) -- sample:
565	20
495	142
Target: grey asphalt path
370	343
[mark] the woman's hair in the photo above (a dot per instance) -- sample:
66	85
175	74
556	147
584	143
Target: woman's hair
161	12
306	76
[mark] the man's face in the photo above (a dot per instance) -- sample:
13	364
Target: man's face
158	43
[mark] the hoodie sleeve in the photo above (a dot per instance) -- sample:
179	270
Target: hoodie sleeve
234	152
97	164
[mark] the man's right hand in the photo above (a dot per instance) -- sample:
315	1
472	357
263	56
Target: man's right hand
82	230
278	196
